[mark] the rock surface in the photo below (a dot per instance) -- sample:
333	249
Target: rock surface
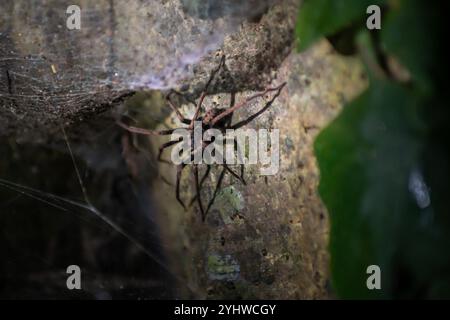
267	239
50	75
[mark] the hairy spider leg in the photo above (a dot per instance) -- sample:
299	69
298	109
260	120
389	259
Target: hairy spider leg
197	190
244	103
163	147
208	169
242	174
152	132
180	168
202	180
205	91
228	126
234	174
173	91
175	109
252	117
145	132
216	190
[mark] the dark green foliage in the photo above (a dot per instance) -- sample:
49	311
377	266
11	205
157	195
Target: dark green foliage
384	161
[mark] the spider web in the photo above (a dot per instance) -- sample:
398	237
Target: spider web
122	45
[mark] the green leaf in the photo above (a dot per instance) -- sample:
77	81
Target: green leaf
318	18
384	159
366	157
409	33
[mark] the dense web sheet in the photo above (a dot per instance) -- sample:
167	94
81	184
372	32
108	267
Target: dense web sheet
121	44
49	73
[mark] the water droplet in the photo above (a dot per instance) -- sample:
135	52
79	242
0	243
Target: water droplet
419	189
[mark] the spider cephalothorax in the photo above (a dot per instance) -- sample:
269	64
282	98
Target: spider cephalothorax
214	118
209	117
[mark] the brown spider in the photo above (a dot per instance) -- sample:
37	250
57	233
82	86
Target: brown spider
217	118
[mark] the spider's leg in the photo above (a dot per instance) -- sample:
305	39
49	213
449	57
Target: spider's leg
173	91
215	71
205	175
232	98
177	112
252	117
197	110
246	101
197	190
163	147
205	91
180	168
242	165
229	120
242	174
234	173
146	132
216	190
